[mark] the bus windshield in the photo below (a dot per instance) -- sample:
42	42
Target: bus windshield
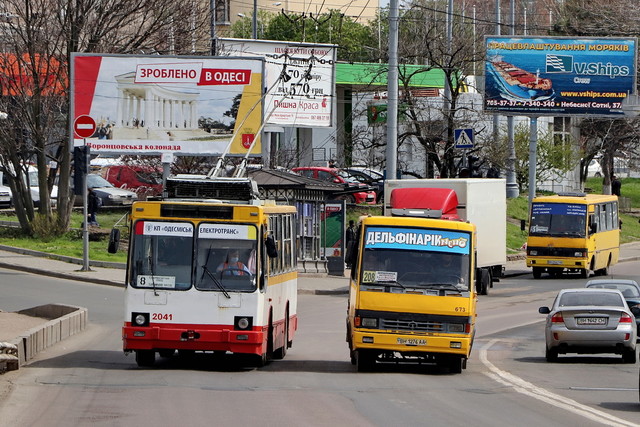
416	269
226	259
161	255
558	220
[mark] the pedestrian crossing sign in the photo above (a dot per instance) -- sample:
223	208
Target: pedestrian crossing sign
463	138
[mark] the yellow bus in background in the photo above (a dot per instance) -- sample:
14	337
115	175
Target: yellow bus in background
573	232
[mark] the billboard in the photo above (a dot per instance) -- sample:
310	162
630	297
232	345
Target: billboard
559	76
149	105
299	80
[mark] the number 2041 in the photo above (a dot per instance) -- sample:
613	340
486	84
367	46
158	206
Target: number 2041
161	316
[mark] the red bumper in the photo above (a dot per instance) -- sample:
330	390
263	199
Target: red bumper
193	337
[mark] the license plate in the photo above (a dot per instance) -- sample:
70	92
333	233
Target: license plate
591	320
554	262
411	341
127	202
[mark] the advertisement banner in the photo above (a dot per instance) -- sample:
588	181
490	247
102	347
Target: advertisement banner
559	76
299	79
150	105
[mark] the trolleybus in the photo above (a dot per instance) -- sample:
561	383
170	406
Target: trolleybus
208	274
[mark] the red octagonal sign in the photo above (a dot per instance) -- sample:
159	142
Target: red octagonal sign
84	126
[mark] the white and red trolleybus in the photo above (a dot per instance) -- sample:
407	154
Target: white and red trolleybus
207	274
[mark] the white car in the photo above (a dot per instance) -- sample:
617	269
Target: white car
6	200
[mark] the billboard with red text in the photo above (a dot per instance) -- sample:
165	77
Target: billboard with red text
156	104
300	79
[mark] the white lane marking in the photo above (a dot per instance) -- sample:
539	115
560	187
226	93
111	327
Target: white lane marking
525	387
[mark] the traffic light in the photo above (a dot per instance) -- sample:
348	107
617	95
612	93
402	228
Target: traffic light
81	167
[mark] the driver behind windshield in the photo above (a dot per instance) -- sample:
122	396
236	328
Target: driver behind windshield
232	266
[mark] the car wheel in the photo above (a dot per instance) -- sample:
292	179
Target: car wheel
551	355
629	356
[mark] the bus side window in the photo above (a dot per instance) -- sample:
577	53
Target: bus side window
593	225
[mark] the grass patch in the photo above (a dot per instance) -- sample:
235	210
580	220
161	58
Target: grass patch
70	243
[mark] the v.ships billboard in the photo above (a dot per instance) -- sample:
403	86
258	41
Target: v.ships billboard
559	76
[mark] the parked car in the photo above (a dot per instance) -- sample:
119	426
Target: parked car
110	195
6	200
590	321
370	177
34	189
335	175
143	179
629	288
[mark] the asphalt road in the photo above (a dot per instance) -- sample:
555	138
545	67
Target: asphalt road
88	380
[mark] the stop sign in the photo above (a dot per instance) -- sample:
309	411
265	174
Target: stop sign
84	126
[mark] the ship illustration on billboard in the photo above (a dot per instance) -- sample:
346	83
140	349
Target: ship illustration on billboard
514	82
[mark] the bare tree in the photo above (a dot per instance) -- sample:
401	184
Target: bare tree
37	41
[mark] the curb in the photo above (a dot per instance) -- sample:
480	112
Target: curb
66	320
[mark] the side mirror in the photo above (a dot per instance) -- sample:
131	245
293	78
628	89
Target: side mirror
270	245
114	241
544	310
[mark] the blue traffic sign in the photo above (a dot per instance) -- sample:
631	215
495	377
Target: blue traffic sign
463	138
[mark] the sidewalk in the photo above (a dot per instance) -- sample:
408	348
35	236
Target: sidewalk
113	274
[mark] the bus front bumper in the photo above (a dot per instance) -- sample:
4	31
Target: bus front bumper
167	336
406	343
557	263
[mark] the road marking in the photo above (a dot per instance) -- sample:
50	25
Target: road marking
531	390
602	389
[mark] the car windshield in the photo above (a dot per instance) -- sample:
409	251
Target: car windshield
628	290
591	299
416	268
96	181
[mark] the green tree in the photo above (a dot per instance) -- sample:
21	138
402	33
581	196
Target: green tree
332	27
553	157
38	39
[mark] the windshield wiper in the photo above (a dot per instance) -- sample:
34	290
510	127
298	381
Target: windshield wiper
443	286
216	281
387	283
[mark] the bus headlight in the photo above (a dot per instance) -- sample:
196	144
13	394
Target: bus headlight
242	323
579	254
533	252
369	322
140	319
456	327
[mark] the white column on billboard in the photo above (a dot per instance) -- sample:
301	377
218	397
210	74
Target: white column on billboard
156	116
148	108
119	109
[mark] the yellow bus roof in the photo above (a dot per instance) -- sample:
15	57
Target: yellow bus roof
404	221
584	199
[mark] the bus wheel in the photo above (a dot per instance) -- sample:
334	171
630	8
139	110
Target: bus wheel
584	273
485	282
455	364
145	358
537	272
365	360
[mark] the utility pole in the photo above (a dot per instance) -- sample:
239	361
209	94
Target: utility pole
512	184
212	7
392	92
